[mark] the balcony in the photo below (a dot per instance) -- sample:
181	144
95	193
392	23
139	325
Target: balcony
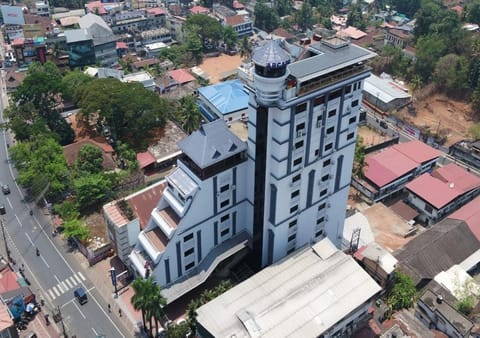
167	220
154	242
138	259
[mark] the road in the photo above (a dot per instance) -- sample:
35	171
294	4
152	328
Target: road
56	273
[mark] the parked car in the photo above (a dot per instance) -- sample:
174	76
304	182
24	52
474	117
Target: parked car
80	295
5	189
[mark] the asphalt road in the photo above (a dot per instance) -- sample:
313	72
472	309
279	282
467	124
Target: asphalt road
55	274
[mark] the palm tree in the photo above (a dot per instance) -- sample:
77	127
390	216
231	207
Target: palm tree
156	311
246	48
190	117
141	299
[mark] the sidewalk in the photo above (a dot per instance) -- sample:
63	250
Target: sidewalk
99	275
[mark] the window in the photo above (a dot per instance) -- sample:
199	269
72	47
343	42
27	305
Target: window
223	204
428	208
188	252
353	119
294	194
327	163
293	209
332	113
319	121
289	251
189	266
322	206
325	178
355	103
350	136
319	233
292	237
348	89
292	223
320	220
224	188
301	108
330	130
318	101
300	126
224	218
323	192
297	161
317	152
335	94
225	232
188	237
329	147
296	178
299	144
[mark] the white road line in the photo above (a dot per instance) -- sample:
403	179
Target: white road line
65	286
29	239
78	279
81	276
95	332
9	203
69	285
74	303
51	294
43	259
59	286
18	220
54	288
73	280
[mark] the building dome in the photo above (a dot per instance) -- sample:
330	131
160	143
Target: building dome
271	55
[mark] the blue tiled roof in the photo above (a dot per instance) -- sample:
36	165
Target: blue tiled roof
227	97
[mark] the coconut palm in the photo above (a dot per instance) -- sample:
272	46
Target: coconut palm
189	114
246	48
141	299
156	311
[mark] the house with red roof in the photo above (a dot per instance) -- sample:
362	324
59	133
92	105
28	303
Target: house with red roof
96	7
387	171
173	80
199	10
442	192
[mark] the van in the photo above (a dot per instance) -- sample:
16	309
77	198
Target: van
80	295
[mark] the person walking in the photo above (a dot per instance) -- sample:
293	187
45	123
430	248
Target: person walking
109	308
120	312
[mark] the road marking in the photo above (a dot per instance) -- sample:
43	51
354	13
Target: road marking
79	310
8	200
81	276
59	286
95	332
43	259
68	284
65	286
73	280
51	294
58	293
78	279
29	239
18	220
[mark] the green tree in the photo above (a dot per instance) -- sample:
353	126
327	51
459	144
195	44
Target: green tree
127	156
466	304
156	310
265	18
359	158
474	131
178	330
190	116
140	299
283	7
207	27
76	228
230	37
355	16
246	48
91	190
25	122
90	160
402	294
429	50
451	75
72	81
472	11
194	47
303	17
67	210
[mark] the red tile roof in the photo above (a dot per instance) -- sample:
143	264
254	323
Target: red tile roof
71	151
199	10
238	5
396	161
181	76
439	189
470	214
145	201
92	6
156	11
18	42
145	159
121	45
234	20
8	281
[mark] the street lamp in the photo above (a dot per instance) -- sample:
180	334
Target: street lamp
113	276
3	212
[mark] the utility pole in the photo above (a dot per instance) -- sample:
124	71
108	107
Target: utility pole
63	324
3	212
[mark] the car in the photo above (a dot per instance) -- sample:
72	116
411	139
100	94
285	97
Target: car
5	189
383	124
80	295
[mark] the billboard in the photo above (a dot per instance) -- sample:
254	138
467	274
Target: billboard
12	15
33	31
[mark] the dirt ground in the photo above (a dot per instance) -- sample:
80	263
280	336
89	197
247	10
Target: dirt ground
220	67
370	136
442	115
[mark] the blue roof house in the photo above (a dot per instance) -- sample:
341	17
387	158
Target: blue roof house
226	100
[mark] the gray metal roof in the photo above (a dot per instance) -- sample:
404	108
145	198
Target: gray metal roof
99	30
333	54
212	143
76	35
303	295
270	54
90	19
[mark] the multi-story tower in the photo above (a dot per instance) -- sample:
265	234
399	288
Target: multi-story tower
302	130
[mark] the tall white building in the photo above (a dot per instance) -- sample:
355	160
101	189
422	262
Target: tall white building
302	129
285	187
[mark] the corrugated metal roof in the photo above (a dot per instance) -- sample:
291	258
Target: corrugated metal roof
302	296
227	97
470	213
384	89
270	54
212	143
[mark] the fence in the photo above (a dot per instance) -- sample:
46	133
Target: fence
382	145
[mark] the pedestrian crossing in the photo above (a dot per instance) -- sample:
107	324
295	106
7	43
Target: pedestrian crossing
63	286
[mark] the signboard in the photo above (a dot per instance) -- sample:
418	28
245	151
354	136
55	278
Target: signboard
33	31
12	15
